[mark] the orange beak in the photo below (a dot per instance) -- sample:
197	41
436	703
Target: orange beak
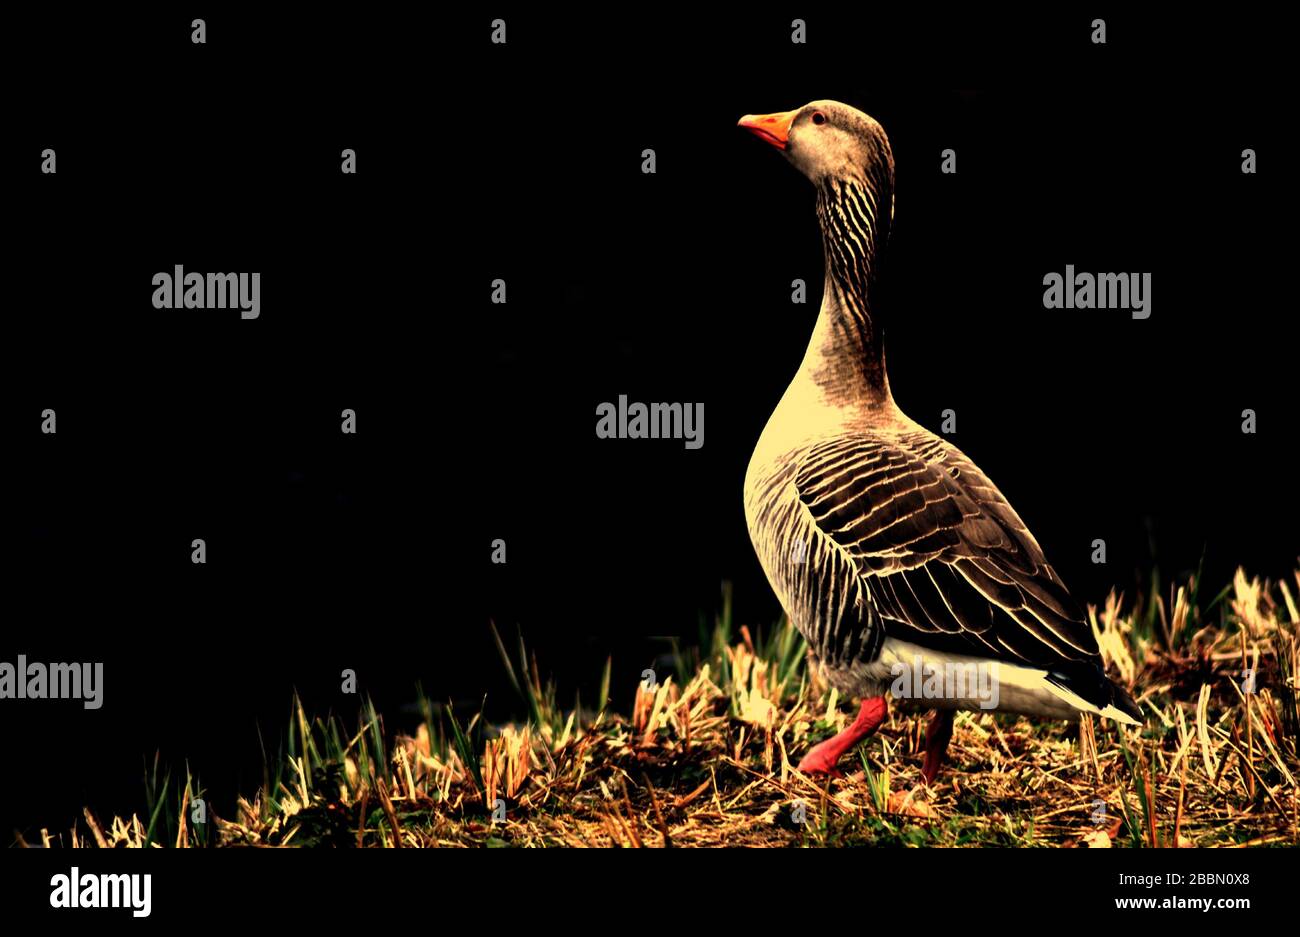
774	128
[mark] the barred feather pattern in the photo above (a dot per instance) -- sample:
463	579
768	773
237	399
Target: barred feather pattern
853	220
896	533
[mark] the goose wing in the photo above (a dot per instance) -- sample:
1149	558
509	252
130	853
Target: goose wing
944	557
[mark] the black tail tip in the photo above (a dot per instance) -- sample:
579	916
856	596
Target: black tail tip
1124	702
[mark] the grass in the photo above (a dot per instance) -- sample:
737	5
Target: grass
707	756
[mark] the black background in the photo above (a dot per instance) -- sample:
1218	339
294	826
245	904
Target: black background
476	420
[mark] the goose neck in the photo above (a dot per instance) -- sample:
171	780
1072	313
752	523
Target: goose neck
846	355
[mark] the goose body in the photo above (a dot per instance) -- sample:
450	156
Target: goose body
889	549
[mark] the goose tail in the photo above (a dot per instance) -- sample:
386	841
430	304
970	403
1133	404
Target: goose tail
1123	708
1086	686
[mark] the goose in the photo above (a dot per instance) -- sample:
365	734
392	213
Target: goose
888	548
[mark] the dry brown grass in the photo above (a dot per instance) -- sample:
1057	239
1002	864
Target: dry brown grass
711	762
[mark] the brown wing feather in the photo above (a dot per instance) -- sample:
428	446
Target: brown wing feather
943	555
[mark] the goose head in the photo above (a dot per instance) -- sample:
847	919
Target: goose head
828	140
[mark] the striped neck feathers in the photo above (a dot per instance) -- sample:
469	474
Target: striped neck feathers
846	355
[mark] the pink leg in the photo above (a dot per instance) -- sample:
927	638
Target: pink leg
822	758
936	743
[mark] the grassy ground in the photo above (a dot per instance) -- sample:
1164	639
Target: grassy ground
706	757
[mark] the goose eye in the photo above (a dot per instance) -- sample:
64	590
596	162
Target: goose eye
818	117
